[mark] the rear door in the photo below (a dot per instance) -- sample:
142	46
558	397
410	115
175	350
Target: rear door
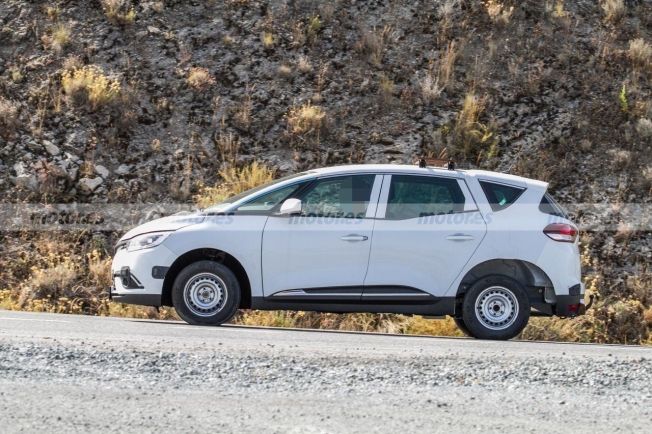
427	228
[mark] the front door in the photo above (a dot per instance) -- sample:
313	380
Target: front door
322	253
426	230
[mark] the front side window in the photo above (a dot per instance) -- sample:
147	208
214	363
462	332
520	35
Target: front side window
500	196
341	196
413	196
266	202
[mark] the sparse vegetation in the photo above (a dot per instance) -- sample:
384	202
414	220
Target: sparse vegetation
374	42
268	40
58	38
640	53
623	99
306	119
119	12
89	85
614	10
304	65
233	181
8	117
430	88
199	79
386	90
498	11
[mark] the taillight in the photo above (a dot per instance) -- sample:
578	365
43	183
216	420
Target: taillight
561	232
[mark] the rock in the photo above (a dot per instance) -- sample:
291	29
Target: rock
51	148
88	185
23	178
102	171
153	30
123	169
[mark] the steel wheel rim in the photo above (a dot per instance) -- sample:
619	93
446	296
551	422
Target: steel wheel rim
496	308
205	294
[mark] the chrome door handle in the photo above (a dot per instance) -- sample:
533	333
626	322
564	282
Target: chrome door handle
460	237
354	237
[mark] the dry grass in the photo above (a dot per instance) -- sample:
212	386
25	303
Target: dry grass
199	79
242	115
498	11
374	42
119	12
367	322
234	181
89	85
447	64
306	119
386	88
304	65
430	88
8	117
640	53
472	139
614	10
228	146
58	38
268	39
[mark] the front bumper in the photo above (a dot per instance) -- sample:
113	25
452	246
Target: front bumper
138	276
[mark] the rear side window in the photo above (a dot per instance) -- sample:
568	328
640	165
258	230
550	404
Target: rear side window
420	196
500	196
550	206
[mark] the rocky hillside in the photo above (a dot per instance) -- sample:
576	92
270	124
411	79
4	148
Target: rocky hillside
129	102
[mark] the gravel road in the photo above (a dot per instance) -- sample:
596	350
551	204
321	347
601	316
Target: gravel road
64	373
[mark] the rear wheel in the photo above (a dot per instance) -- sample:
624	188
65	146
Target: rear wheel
496	307
206	293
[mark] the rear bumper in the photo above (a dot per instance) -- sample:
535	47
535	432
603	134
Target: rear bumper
570	305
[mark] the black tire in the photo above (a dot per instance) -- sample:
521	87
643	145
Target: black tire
502	313
459	322
206	293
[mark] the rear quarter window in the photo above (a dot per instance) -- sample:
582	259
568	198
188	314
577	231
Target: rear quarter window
550	206
500	196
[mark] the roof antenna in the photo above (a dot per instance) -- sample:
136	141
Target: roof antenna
451	165
422	163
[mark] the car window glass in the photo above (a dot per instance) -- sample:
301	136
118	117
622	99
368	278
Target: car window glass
500	196
268	201
420	196
342	196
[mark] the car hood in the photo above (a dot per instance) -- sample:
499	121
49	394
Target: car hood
170	223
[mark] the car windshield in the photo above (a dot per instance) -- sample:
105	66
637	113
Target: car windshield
226	203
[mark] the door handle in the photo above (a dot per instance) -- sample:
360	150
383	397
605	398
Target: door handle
460	237
354	237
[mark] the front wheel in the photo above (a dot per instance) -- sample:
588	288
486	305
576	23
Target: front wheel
206	293
496	307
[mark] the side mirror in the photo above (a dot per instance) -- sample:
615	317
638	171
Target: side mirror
290	207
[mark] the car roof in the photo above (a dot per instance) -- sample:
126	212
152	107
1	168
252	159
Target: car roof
429	170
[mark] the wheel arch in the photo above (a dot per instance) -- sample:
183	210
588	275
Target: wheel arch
210	254
532	277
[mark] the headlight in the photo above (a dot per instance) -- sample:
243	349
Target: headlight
146	241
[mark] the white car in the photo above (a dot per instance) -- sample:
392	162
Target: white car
487	248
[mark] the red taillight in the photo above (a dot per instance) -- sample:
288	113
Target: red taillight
561	232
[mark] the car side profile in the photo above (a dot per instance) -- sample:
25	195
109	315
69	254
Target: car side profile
486	248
